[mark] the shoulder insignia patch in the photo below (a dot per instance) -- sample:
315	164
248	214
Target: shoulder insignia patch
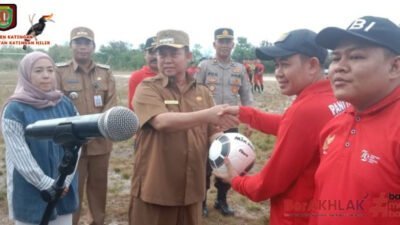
62	64
104	66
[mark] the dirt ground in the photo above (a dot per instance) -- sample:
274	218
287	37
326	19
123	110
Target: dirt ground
246	212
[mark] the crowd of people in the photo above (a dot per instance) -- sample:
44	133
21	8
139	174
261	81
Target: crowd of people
255	71
336	159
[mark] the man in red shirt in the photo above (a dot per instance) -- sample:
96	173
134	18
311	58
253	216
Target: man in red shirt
148	70
249	71
192	69
288	177
358	180
258	76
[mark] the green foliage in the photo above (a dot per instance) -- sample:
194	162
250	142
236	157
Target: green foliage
137	59
196	51
243	50
120	56
10	57
269	65
12	52
7	64
265	43
60	53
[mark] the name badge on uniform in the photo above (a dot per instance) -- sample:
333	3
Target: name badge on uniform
211	79
98	101
236	69
171	102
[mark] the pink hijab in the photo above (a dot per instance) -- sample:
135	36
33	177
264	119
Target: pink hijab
26	92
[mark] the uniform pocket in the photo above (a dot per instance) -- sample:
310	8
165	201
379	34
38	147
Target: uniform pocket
235	83
70	85
100	85
73	89
212	82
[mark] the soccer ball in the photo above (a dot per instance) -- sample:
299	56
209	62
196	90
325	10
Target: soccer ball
237	148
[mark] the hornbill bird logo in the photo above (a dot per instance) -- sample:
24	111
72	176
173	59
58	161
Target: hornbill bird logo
37	28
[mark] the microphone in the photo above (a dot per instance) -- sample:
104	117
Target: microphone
117	124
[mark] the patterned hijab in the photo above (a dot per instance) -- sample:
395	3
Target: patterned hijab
26	92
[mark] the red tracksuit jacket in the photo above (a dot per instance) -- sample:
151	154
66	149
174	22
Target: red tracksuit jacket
288	177
358	180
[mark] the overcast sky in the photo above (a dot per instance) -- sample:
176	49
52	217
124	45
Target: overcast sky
133	22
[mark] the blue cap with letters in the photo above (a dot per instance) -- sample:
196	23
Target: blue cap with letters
300	41
376	30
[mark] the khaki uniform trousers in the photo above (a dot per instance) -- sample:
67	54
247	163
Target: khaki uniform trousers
143	213
93	171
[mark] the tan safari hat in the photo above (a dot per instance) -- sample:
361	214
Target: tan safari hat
82	32
172	38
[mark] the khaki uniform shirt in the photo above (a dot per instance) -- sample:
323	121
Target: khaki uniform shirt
91	92
169	167
228	82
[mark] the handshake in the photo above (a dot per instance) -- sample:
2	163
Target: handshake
223	116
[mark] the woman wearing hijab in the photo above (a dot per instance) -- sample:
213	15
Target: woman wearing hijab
32	165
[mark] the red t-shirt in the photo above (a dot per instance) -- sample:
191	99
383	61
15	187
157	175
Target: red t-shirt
192	70
260	69
288	177
358	180
135	79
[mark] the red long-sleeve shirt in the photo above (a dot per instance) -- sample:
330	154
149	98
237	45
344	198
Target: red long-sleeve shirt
135	79
288	177
358	180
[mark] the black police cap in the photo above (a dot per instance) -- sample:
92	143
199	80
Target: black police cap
301	41
150	43
223	33
376	30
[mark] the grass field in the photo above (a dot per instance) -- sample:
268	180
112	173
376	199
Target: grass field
247	212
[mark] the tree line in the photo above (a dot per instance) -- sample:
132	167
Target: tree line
121	56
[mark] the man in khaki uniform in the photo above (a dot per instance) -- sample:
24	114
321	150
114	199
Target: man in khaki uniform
177	119
91	87
229	84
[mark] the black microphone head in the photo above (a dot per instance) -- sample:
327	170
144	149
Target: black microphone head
118	123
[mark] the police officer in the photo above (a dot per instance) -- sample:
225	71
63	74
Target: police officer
229	84
91	87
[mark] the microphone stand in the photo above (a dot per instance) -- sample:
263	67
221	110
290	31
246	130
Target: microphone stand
71	144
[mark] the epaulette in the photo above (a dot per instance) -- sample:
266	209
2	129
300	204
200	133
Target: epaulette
151	79
201	84
62	64
236	64
104	66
